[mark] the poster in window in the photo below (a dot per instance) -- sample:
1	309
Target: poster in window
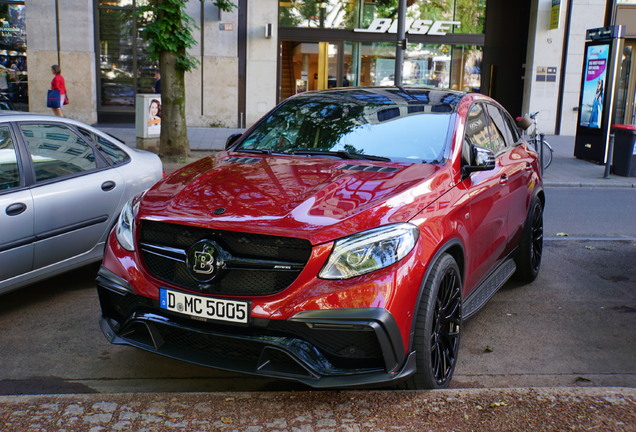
595	74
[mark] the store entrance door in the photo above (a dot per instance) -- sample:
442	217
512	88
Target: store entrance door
624	108
309	66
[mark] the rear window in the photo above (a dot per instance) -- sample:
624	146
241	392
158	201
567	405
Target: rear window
111	151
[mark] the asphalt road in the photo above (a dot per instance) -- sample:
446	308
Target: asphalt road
574	326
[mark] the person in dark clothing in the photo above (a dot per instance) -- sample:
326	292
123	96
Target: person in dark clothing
157	82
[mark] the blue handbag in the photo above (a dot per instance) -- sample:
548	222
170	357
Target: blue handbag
53	99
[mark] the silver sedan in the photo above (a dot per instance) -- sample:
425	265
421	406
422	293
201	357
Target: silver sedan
62	187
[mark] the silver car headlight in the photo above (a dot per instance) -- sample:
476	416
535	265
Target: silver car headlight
369	251
126	224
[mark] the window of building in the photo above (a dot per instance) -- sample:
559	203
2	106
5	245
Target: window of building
124	66
373	64
353	14
445	44
13	54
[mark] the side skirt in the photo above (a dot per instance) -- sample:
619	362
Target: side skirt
480	295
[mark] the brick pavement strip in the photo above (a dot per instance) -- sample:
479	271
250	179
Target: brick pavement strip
493	410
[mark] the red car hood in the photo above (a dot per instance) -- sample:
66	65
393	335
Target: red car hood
319	199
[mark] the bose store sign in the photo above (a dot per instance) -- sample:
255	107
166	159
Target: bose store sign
419	27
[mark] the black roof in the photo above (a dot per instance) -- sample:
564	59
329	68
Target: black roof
440	100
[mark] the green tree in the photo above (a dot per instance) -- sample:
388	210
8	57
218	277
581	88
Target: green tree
168	30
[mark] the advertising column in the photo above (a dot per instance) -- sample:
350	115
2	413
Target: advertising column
597	93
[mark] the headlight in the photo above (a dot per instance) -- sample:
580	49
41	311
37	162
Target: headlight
369	251
126	223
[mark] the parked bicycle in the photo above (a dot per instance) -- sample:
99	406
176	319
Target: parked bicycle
536	139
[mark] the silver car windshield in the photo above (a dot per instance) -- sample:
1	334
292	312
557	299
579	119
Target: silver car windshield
396	130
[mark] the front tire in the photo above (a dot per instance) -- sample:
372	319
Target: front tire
437	326
531	246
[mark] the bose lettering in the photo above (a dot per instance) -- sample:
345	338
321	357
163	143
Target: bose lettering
415	27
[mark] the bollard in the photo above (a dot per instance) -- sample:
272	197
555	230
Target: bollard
541	139
610	156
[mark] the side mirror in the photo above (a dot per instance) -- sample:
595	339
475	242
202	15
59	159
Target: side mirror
482	159
231	140
524	122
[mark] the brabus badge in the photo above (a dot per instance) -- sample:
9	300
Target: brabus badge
202	260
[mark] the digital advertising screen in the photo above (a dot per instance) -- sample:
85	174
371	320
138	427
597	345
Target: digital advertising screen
595	78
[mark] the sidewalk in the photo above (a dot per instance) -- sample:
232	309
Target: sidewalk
565	171
465	410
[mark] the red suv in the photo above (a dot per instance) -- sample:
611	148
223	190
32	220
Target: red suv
340	241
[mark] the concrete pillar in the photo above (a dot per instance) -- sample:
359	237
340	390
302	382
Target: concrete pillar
62	32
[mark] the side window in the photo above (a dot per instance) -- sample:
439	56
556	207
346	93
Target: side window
56	151
111	151
501	122
500	137
512	126
9	168
476	133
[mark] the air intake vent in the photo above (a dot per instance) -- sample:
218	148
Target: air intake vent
241	160
372	168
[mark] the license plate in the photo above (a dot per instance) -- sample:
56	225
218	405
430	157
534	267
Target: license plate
234	311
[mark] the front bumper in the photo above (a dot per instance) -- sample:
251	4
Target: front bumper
320	348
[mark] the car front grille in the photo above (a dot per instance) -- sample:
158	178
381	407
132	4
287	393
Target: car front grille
258	264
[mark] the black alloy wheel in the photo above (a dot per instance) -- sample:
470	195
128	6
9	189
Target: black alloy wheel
531	246
437	327
536	248
446	323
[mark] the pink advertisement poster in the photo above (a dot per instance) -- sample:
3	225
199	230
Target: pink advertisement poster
597	58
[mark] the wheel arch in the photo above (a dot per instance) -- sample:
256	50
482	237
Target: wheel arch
540	193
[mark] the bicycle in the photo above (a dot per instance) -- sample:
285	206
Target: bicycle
535	138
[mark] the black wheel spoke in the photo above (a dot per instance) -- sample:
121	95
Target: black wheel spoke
446	325
537	239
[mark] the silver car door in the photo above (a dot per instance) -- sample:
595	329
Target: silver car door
75	195
16	213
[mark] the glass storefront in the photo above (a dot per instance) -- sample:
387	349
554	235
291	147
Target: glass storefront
353	14
353	43
124	67
424	65
13	55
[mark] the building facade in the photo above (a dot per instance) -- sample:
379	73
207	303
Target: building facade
527	54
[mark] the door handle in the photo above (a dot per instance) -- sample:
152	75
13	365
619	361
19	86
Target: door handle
15	209
528	166
108	185
503	179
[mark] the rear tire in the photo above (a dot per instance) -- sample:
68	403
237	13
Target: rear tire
437	327
531	246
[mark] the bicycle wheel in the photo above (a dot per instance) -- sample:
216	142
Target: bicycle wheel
547	154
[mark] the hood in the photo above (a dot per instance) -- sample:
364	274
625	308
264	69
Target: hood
316	198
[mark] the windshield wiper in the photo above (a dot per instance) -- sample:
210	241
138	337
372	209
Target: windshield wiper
259	151
341	154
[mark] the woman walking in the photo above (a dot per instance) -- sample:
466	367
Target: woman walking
58	84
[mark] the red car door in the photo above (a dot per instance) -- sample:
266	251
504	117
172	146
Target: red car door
488	214
517	164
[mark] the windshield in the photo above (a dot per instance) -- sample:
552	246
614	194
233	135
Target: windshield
381	128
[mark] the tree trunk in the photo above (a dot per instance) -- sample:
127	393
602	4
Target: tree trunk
174	133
